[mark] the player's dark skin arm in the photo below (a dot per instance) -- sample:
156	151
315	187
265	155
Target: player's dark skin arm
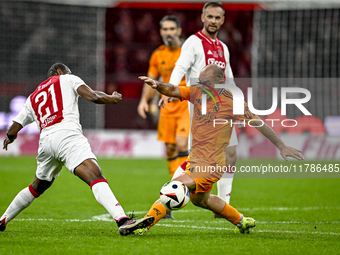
147	94
166	89
96	97
12	134
38	185
99	97
285	150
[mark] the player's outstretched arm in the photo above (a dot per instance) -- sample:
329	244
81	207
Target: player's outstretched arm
12	134
147	94
99	97
166	89
285	150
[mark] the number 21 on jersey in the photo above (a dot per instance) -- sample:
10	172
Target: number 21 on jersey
47	102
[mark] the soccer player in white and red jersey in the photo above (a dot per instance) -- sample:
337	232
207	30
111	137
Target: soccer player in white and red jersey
54	108
199	50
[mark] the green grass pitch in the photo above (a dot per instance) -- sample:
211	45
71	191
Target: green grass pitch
294	216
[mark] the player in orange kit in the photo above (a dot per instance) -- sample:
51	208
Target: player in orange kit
209	141
174	121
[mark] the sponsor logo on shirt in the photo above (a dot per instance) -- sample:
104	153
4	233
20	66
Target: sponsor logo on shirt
216	62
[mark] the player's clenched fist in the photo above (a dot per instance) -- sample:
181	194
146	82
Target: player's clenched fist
116	97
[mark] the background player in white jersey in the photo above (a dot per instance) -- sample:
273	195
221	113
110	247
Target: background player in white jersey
54	107
199	50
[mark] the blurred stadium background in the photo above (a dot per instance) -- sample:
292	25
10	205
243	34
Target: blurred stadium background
108	44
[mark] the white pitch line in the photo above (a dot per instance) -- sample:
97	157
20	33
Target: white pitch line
250	209
190	226
61	220
107	217
254	231
290	208
214	221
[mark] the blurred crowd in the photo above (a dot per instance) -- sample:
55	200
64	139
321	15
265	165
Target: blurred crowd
34	35
132	35
111	48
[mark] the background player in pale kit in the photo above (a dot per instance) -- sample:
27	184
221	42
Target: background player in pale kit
199	50
174	120
54	107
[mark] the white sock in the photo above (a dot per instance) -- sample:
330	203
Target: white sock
178	172
106	198
19	203
224	186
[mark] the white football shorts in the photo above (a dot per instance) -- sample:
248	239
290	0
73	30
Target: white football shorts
63	147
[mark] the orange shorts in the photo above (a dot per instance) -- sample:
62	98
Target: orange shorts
170	127
203	178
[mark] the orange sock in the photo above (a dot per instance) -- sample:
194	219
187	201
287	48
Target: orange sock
172	166
158	211
230	214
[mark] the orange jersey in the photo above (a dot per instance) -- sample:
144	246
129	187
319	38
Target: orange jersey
161	64
208	142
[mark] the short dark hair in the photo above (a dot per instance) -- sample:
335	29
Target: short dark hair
212	4
170	18
54	69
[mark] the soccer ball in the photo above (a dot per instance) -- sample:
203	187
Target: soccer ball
174	195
